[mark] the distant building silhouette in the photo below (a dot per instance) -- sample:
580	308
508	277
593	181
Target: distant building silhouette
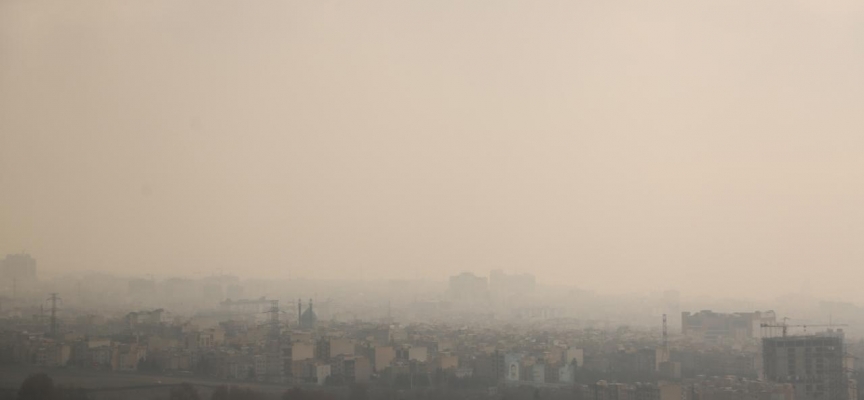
308	319
468	287
21	267
503	285
711	326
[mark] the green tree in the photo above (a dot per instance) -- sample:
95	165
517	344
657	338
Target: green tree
37	387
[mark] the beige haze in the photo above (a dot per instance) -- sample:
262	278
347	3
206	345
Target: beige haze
710	146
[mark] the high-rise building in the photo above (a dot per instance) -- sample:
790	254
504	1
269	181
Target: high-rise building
468	287
813	364
21	267
503	285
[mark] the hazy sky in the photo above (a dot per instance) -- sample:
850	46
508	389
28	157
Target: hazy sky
713	146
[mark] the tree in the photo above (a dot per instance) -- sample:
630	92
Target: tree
37	387
184	392
358	392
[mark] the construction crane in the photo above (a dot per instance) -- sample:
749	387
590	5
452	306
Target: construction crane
784	326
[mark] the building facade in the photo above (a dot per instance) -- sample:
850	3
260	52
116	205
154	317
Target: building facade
813	365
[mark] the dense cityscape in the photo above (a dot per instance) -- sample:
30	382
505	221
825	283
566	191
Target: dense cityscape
431	200
477	337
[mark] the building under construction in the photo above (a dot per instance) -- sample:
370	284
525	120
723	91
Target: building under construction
812	364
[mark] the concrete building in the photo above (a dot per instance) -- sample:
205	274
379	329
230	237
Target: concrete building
51	354
260	362
670	370
302	351
567	373
448	361
362	370
812	364
21	267
538	373
125	357
142	288
513	367
502	285
322	371
418	353
384	356
574	355
468	287
146	318
341	347
256	309
663	391
707	325
17	275
603	390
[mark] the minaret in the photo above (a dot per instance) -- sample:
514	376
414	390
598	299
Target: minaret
299	311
